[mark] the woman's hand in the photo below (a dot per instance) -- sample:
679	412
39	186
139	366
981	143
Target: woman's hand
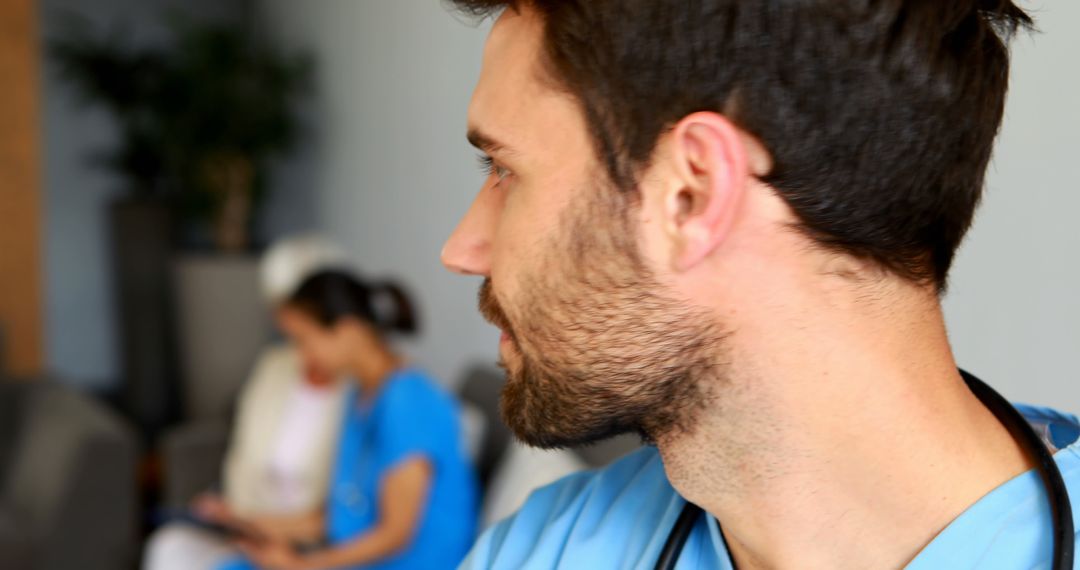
213	509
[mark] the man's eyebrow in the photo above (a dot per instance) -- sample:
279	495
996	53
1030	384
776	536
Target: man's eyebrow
485	143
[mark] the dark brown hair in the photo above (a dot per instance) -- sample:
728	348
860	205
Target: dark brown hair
330	296
880	115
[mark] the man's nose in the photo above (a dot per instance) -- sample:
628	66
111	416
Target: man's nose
468	250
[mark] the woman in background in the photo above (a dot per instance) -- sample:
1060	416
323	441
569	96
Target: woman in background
402	494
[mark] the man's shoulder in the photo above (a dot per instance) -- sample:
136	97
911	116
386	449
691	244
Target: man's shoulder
602	489
1011	526
575	511
640	470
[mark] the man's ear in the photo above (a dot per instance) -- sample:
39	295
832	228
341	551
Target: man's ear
710	175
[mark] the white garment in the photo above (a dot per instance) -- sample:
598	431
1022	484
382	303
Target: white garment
180	546
292	259
264	405
301	426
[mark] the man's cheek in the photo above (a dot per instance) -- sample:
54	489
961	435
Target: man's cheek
510	246
507	274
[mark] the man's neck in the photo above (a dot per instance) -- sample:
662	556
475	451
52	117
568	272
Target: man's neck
840	444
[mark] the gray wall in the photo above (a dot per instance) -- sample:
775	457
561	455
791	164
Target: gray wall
81	337
1014	308
395	175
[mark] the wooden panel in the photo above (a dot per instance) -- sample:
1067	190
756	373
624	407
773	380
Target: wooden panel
20	182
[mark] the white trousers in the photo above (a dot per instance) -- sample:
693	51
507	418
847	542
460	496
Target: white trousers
179	546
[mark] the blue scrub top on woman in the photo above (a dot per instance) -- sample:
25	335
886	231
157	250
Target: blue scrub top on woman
620	517
409	417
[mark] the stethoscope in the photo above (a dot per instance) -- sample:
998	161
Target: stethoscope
1060	507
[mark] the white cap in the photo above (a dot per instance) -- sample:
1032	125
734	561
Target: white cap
292	259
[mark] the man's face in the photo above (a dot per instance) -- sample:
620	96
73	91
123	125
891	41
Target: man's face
593	344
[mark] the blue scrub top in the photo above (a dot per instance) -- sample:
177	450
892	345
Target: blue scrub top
409	417
620	517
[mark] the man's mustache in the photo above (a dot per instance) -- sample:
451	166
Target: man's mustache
491	310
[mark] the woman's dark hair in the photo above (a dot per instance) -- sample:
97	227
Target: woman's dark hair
332	295
880	115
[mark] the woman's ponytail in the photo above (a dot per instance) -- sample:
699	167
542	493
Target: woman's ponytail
394	308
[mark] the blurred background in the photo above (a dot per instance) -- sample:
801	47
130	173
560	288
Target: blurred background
132	221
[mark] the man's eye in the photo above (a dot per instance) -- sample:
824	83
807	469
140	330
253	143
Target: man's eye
489	167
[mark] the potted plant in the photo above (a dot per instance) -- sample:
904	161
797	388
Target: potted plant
200	117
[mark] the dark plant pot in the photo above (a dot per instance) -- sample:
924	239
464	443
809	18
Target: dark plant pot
142	242
218	305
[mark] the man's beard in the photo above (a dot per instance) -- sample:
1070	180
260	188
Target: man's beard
600	350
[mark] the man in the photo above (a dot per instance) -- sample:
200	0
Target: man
726	225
